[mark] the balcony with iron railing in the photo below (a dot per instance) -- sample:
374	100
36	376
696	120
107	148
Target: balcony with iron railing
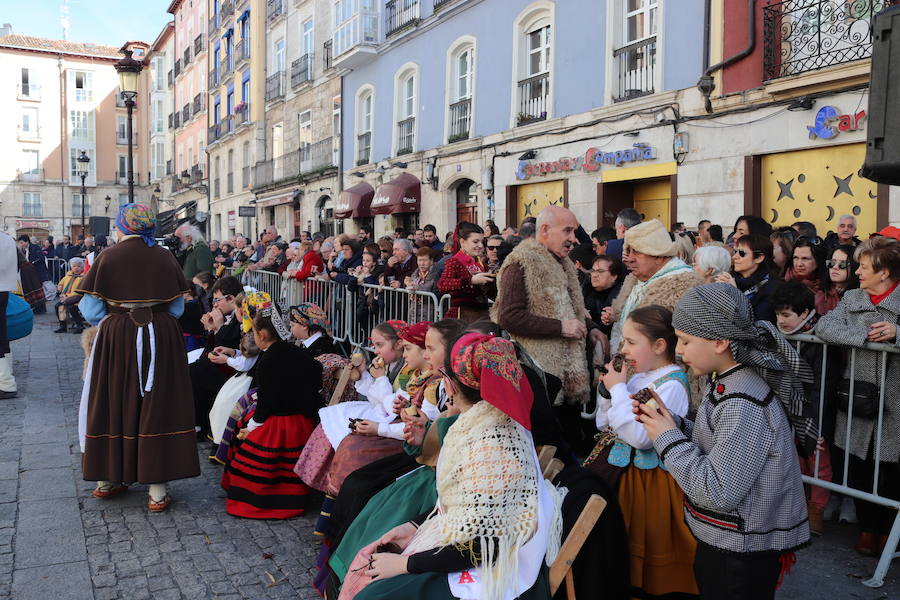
806	35
198	45
170	78
213	24
185	113
363	148
187	56
241	113
400	15
439	4
302	70
327	55
227	8
213	133
274	9
122	178
198	104
534	96
243	51
356	38
122	137
406	135
226	125
28	91
171	121
635	66
196	174
311	158
177	119
177	68
169	167
275	86
225	67
36	174
214	76
460	119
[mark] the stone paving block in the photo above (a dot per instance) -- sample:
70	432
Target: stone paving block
8	490
44	484
41	541
69	580
9	469
45	456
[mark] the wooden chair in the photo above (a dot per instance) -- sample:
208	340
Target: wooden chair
562	567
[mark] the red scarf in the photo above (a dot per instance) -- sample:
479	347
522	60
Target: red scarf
876	299
472	265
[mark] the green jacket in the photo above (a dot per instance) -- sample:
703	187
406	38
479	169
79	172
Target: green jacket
199	259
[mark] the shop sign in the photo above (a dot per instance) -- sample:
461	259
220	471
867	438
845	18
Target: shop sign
382	199
20	224
246	211
232	220
343	204
588	163
829	123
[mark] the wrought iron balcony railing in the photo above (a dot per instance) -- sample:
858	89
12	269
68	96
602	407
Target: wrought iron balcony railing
363	148
406	135
460	118
302	70
635	70
534	96
805	35
275	86
400	14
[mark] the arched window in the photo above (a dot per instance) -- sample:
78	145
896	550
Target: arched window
365	104
533	41
460	89
406	86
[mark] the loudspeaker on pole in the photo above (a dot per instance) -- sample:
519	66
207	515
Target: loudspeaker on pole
883	141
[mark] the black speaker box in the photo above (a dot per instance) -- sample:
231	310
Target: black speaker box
883	142
99	226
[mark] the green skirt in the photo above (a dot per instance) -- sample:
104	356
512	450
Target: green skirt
433	586
408	497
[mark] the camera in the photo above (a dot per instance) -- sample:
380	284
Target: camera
171	242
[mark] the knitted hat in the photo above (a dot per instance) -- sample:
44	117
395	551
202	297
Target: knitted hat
651	238
415	333
489	364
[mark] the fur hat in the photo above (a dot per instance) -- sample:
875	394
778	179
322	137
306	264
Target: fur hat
651	238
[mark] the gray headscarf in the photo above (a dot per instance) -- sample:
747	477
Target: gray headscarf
719	311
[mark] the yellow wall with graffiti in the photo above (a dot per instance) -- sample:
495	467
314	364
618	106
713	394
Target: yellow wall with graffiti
532	198
819	186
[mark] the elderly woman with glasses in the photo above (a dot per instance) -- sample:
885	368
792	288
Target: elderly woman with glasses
839	277
754	273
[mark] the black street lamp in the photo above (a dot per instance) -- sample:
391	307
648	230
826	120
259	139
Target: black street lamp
129	70
83	161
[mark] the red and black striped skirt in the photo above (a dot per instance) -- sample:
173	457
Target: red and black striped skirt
259	478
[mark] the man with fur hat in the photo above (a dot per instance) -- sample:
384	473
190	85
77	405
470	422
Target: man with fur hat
657	275
539	303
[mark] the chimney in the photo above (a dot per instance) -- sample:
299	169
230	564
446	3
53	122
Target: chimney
6	29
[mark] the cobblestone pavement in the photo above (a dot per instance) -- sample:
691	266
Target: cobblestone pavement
58	542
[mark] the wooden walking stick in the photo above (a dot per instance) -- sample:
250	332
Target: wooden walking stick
348	374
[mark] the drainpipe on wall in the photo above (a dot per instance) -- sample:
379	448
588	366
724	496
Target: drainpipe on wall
64	136
706	85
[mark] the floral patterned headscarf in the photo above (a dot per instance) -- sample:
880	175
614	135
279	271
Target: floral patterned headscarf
309	313
137	219
489	364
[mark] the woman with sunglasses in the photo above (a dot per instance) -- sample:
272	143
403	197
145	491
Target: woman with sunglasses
839	277
807	263
754	273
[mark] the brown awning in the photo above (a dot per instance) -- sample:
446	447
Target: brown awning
354	202
400	195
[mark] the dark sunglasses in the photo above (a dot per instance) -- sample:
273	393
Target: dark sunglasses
493	247
840	264
742	253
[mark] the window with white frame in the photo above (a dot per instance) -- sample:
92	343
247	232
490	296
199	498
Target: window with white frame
635	57
121	130
123	199
305	122
158	116
278	57
75	166
122	168
406	112
81	125
364	105
29	123
159	160
534	41
31	204
31	163
462	61
83	86
76	205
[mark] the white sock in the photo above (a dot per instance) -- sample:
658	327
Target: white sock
103	484
157	492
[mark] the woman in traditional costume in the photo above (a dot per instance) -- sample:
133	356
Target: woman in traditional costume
496	519
465	276
258	479
309	326
136	420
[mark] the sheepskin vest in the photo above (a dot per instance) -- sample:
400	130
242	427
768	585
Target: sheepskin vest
553	292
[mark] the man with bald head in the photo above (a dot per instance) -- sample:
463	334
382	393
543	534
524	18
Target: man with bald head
539	303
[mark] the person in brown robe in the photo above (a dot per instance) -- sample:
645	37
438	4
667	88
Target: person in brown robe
136	420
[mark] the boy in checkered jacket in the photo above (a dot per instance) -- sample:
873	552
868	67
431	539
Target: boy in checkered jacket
737	461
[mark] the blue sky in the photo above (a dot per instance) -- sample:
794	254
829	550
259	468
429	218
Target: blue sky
110	22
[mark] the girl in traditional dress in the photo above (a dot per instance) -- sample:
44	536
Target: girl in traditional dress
465	276
309	326
258	479
490	532
243	361
378	385
662	547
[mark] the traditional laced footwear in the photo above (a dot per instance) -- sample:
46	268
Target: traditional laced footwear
160	506
108	491
62	327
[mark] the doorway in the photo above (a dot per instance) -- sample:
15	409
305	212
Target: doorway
325	216
654	198
466	201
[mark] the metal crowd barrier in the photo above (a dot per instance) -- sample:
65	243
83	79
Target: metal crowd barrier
57	268
840	483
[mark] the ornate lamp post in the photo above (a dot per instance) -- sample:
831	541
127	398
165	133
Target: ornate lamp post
84	162
129	70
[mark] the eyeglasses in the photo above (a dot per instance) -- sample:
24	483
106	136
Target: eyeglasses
742	253
494	248
840	264
217	300
599	270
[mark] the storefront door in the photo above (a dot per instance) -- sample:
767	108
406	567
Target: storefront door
532	198
819	186
652	199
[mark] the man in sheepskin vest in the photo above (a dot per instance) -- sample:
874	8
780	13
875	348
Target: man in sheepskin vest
539	303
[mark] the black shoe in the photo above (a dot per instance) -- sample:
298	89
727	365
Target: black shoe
62	328
77	330
7	395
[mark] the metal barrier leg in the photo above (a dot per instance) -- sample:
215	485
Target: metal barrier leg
888	554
